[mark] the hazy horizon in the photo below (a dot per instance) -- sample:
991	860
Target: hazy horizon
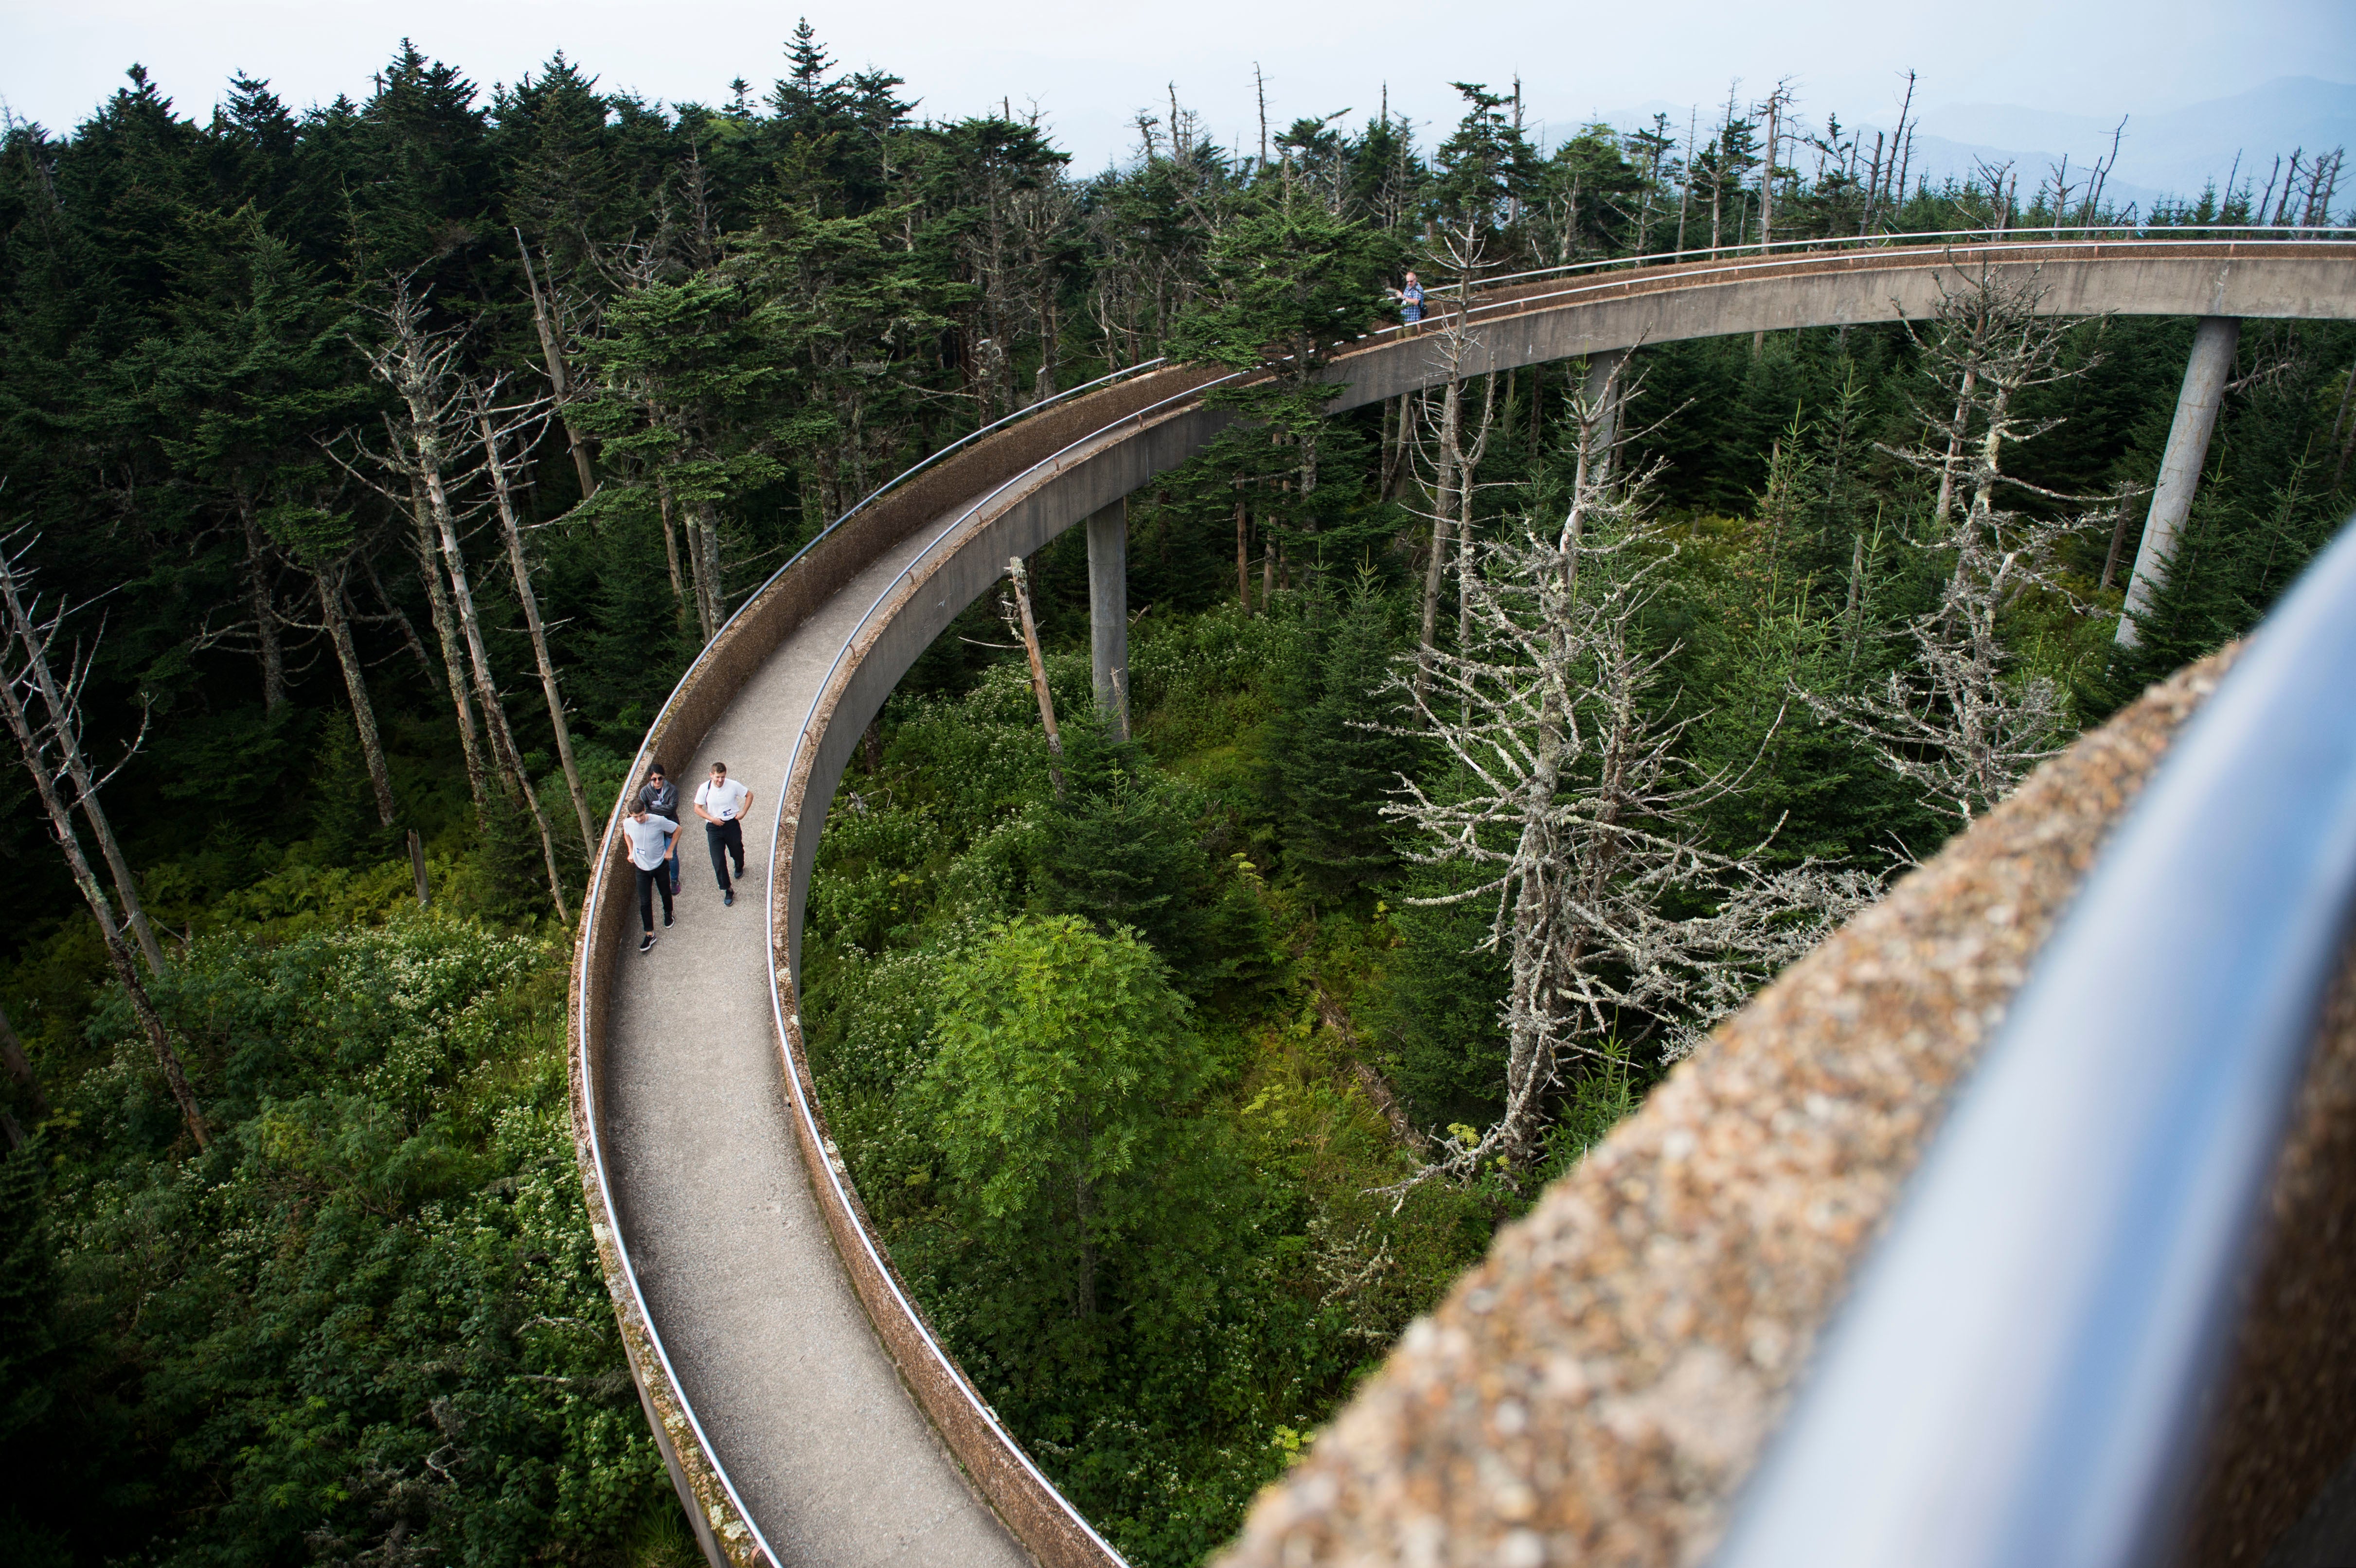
1089	74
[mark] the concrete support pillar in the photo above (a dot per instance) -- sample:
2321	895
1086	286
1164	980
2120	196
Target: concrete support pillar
2205	375
1607	430
1108	614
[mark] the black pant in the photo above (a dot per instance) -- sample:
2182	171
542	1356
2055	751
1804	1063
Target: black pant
650	883
725	839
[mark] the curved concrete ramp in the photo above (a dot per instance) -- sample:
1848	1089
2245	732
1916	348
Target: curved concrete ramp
773	1350
807	1411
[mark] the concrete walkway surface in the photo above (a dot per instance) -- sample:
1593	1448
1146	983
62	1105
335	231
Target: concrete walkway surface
803	1408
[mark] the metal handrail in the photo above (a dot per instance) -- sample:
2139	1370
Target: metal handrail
594	897
776	996
2018	1376
929	460
2144	233
1951	239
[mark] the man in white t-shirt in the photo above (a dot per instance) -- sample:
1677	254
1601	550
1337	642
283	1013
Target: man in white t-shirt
654	855
720	801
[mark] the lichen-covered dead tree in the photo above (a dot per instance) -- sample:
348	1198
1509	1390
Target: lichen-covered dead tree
1569	801
1442	443
1958	719
42	709
518	422
425	455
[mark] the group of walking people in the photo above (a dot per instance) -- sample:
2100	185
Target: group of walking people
652	829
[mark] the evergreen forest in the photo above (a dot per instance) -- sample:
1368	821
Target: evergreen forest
371	471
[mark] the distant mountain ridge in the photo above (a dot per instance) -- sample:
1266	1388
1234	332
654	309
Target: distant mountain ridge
2178	151
2172	154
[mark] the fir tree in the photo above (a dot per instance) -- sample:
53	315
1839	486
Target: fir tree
1125	849
1341	758
564	189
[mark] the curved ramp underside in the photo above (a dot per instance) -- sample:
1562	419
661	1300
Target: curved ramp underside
799	1397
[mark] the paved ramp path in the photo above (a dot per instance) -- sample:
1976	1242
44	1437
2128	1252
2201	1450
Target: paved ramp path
800	1404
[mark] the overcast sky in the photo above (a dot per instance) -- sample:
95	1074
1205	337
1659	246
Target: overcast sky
1090	66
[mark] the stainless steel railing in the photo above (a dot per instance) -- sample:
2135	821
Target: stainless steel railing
2019	1374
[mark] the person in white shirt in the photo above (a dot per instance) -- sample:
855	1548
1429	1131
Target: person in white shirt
654	855
720	801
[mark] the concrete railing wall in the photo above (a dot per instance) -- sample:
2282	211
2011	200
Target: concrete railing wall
711	684
1011	493
1546	320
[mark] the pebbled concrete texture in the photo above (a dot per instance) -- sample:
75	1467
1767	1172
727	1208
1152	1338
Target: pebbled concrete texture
801	1406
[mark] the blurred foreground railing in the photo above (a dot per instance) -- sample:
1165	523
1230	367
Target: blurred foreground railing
2019	1375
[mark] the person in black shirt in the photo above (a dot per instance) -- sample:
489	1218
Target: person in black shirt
659	796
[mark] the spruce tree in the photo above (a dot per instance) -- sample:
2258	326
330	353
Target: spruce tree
1291	282
344	826
1343	757
564	189
436	174
1124	849
46	1449
1485	171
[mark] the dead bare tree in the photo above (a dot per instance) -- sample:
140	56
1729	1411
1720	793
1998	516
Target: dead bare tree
544	318
670	554
335	618
1440	440
1018	618
1886	180
1570	805
1778	110
426	544
1958	720
421	367
37	739
703	552
323	546
35	634
1720	156
1445	426
496	427
394	615
364	465
263	601
1468	468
